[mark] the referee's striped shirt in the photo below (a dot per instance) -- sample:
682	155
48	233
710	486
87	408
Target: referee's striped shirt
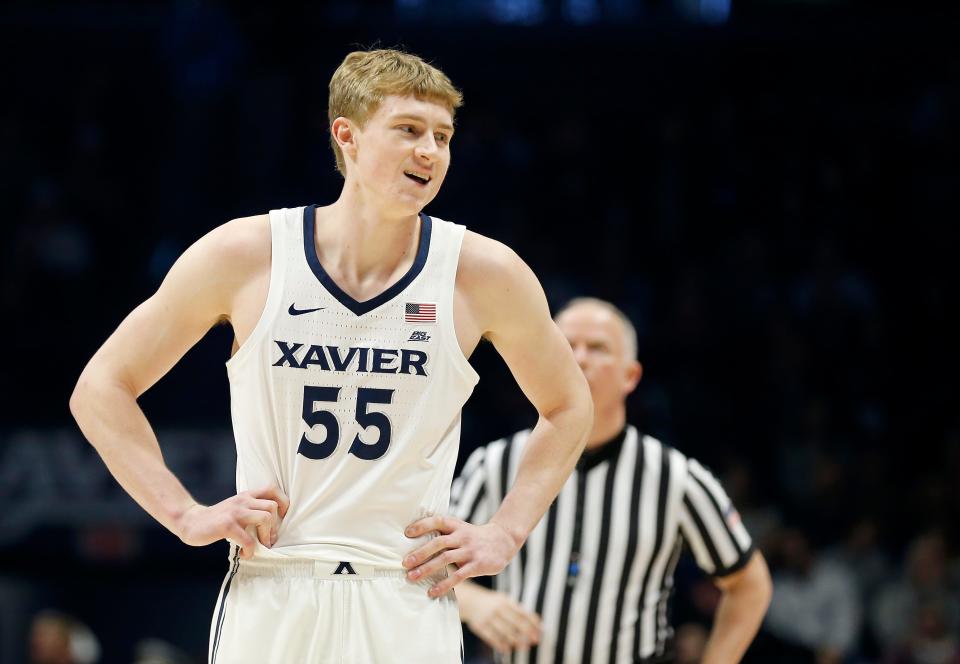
598	568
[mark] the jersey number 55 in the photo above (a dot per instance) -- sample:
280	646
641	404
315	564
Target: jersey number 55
365	417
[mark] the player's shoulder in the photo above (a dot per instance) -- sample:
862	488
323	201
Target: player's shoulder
242	238
240	243
489	267
481	253
224	260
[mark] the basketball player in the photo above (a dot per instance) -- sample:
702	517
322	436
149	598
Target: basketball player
352	325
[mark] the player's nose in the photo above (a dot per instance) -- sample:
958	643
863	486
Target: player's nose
427	148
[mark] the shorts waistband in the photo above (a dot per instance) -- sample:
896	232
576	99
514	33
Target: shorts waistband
342	570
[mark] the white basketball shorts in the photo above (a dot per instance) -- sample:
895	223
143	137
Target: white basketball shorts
300	611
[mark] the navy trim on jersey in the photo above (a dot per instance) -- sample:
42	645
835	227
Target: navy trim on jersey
360	308
223	604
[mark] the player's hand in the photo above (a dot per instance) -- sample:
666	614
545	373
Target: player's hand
262	509
475	550
501	622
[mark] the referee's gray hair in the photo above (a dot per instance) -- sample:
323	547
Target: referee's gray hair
630	332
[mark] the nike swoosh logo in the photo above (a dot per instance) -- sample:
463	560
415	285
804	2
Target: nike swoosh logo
293	311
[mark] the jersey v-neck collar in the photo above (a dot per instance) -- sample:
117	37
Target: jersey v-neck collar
360	308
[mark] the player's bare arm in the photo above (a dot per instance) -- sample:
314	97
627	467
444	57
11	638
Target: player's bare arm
223	277
499	298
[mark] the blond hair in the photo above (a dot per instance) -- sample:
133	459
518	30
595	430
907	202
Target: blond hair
364	78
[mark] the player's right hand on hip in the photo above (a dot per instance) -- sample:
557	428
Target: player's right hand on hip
475	550
501	622
260	510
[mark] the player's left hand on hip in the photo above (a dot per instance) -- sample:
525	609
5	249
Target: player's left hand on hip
475	550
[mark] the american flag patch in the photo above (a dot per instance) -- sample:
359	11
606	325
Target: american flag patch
419	312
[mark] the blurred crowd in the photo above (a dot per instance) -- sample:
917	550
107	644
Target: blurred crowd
58	638
767	212
846	601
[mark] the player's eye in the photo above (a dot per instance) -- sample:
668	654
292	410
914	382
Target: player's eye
408	129
442	138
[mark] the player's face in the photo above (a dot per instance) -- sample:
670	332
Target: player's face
403	152
599	342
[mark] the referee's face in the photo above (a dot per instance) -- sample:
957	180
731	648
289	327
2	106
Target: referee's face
599	345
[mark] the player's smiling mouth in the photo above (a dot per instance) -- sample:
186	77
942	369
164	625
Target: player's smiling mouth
422	180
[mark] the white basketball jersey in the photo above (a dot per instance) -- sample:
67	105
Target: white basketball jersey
351	408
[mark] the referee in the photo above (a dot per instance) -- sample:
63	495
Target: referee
591	583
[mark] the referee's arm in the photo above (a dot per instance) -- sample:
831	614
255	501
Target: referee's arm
493	616
723	549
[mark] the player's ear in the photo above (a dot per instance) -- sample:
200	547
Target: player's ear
345	136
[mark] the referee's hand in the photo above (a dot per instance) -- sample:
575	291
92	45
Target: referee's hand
495	617
475	550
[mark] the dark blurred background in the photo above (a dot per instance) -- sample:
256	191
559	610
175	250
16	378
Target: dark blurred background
767	188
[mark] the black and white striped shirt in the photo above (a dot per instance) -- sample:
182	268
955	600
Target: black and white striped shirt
598	568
